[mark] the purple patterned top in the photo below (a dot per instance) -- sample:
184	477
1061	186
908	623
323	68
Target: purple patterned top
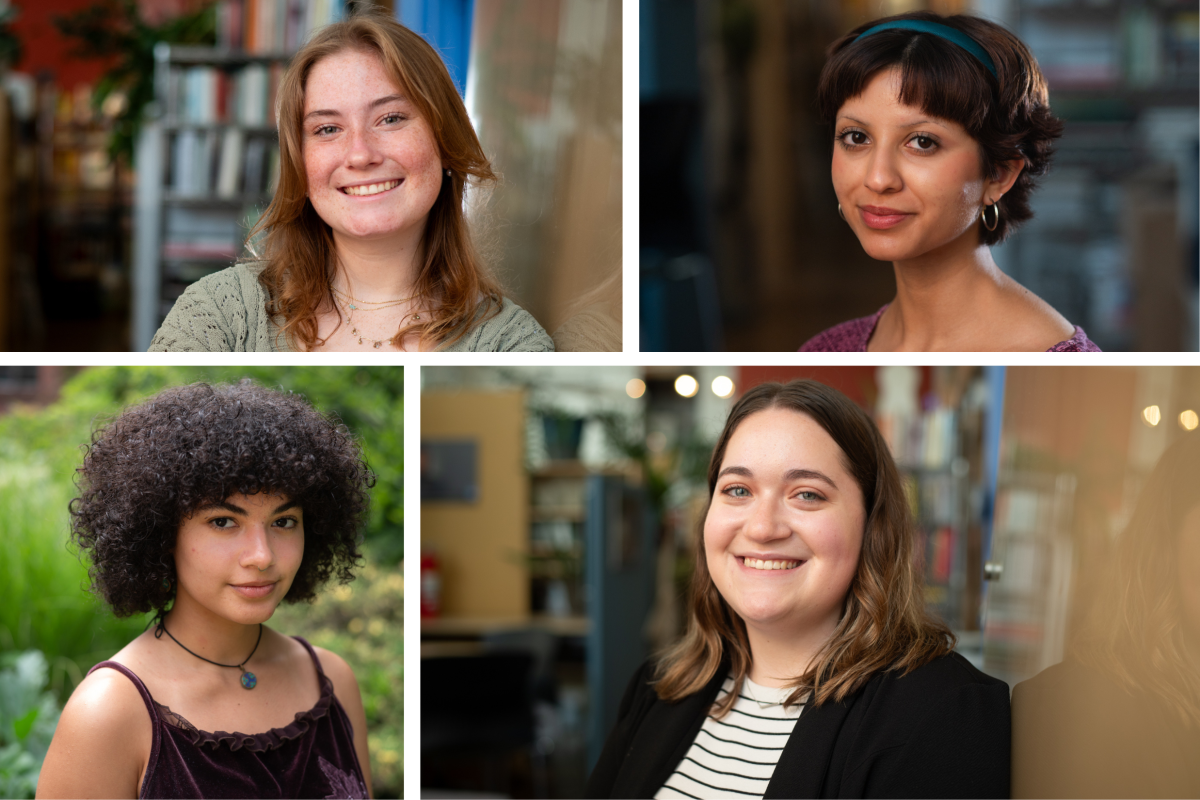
312	757
852	337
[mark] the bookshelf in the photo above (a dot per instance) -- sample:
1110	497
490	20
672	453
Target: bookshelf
1113	241
940	454
208	153
1029	574
937	482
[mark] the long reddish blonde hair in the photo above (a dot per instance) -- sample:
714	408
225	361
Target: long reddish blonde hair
884	626
298	245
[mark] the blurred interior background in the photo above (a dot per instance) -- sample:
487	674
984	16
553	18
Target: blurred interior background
52	631
742	248
560	509
138	146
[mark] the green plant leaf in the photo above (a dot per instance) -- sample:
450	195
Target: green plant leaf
24	724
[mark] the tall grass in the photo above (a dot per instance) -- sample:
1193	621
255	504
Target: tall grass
44	602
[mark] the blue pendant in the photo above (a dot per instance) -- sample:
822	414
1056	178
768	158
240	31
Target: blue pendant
248	680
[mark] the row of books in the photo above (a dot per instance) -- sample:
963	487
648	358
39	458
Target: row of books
1146	47
272	26
208	96
201	234
926	441
226	164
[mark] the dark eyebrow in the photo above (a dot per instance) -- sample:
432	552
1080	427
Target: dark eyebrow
808	474
223	505
790	475
913	124
286	506
745	473
237	510
329	112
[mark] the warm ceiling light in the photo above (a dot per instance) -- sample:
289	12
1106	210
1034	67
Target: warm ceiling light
1152	415
635	388
722	386
686	385
1188	420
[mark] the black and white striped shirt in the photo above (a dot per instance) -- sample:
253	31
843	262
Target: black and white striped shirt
735	756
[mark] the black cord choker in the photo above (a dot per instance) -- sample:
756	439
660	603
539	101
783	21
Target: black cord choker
249	681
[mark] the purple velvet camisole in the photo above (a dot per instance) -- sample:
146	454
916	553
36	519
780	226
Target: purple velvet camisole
312	757
852	337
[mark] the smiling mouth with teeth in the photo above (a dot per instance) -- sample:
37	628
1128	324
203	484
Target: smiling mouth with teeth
371	188
758	563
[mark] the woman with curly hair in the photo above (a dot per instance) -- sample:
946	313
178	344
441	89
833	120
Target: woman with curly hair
940	126
810	666
211	505
364	244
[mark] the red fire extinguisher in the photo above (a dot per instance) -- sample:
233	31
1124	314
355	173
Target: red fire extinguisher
431	585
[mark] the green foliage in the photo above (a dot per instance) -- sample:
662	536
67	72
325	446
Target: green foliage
363	622
43	604
687	462
115	29
28	715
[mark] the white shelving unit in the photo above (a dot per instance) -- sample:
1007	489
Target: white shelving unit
200	215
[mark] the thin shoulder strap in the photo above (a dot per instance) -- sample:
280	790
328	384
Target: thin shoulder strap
152	707
141	687
312	654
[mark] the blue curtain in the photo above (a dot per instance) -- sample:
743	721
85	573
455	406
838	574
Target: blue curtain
446	24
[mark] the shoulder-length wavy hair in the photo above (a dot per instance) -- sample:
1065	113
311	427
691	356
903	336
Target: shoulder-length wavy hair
1009	114
1134	629
298	245
884	624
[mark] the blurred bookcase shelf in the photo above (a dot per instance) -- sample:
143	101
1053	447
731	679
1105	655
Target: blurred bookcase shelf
208	153
1114	235
1030	570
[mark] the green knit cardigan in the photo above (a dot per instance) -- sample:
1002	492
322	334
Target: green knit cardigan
226	312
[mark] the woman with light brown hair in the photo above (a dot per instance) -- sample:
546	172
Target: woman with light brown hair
364	245
810	666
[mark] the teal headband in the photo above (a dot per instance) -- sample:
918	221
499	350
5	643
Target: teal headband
944	31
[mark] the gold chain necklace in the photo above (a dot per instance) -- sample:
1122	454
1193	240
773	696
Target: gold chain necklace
375	343
367	305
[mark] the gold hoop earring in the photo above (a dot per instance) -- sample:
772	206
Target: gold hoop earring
983	216
841	213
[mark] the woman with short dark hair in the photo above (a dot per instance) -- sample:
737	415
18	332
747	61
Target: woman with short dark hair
941	126
211	505
810	666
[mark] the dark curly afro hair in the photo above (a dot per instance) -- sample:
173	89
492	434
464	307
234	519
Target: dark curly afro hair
189	446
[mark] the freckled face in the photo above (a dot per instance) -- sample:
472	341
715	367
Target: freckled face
908	183
237	559
785	526
373	166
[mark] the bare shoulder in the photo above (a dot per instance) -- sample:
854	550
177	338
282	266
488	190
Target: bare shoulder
102	741
339	672
1034	324
105	701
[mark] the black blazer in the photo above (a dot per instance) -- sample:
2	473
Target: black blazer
942	730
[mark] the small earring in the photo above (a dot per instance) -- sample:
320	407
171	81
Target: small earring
841	213
996	221
447	173
166	584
